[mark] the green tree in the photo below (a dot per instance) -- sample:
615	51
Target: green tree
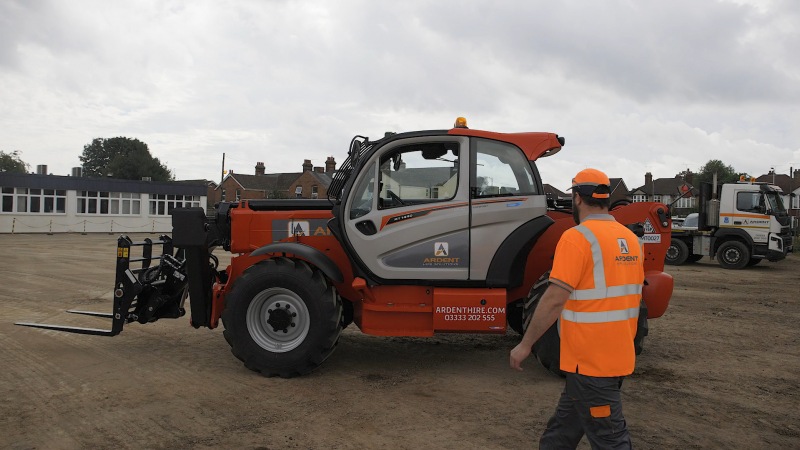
11	162
725	174
122	157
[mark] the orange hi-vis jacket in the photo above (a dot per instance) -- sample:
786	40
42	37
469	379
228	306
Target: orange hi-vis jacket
600	262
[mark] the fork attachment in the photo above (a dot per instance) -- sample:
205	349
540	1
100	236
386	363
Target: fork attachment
142	294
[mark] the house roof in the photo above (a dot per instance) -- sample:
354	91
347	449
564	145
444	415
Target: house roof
618	183
784	182
664	186
324	178
34	181
266	182
550	191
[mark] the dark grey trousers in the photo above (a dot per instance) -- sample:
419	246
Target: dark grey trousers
591	406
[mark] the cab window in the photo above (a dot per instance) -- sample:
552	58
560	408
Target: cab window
418	173
363	193
502	170
750	202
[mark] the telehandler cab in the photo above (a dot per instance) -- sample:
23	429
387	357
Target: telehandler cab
422	232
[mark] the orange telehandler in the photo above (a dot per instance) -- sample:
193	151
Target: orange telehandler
422	232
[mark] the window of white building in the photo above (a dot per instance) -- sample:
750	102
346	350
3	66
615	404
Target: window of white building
113	203
162	204
685	202
28	200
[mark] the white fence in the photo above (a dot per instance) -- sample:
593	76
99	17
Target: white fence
66	224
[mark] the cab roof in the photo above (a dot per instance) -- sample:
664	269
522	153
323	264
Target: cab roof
535	145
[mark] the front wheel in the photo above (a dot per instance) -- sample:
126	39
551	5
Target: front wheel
282	318
733	255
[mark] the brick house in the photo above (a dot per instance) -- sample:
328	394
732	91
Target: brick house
312	182
667	191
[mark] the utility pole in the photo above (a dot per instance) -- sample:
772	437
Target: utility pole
222	176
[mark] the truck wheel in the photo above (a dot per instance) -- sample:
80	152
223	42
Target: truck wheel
282	318
548	348
677	253
733	255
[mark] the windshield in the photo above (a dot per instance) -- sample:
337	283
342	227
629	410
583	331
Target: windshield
775	202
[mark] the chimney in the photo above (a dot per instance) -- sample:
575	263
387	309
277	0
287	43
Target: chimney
330	164
689	176
307	166
648	181
260	168
41	169
318	169
77	172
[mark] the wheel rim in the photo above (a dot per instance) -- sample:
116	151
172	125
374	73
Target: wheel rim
672	253
731	255
277	320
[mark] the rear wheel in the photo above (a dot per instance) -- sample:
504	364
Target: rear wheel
733	255
282	318
677	253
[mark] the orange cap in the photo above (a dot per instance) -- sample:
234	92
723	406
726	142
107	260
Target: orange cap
587	181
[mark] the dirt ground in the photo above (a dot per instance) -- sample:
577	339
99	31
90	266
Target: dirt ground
720	370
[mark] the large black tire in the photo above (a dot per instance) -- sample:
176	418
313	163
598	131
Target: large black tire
733	255
547	349
642	328
618	203
677	253
514	316
282	318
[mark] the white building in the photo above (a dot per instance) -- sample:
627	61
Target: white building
56	204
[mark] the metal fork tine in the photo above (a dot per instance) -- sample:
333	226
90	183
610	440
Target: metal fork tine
91	313
78	330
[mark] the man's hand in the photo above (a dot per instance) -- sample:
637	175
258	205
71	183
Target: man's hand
519	354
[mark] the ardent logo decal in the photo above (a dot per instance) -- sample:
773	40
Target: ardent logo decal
299	228
440	249
623	246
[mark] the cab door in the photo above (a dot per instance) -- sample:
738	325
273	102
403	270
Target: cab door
506	195
408	212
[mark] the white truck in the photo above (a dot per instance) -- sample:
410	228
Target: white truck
745	224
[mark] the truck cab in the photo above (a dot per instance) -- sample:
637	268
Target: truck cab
756	212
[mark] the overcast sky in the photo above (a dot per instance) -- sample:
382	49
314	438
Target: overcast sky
634	86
